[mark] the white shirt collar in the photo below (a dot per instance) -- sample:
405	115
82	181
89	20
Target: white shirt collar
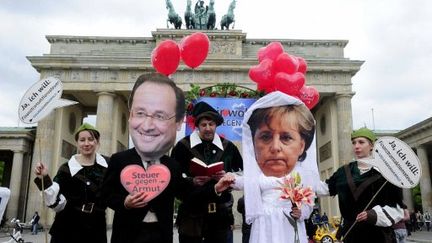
75	166
154	162
195	140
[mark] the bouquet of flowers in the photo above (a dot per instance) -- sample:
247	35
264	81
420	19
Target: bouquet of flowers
293	190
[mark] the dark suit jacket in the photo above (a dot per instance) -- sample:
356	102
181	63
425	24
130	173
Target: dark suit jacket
127	222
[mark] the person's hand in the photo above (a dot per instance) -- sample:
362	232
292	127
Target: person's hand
218	175
225	182
295	212
201	180
135	200
362	216
40	170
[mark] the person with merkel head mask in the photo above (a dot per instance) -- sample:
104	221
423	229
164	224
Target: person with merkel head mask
74	193
277	129
209	221
157	109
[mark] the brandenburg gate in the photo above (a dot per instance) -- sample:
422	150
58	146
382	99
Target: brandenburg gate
99	73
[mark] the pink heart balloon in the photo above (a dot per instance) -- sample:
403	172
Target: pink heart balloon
309	95
165	57
194	49
271	51
267	87
289	83
263	72
153	181
302	65
286	63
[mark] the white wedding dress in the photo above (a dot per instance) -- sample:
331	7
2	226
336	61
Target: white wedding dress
272	226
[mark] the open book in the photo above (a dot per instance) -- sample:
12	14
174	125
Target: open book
199	168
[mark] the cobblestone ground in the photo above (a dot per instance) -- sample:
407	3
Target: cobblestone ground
419	236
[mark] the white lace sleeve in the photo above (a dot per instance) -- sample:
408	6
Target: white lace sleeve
387	216
53	198
239	183
321	189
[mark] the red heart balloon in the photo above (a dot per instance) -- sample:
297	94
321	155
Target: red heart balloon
194	49
286	63
309	95
289	83
153	181
263	72
302	65
165	57
267	87
271	51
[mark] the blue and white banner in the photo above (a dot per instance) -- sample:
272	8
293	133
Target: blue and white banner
232	110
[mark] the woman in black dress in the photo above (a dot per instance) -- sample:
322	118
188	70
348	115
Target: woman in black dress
74	192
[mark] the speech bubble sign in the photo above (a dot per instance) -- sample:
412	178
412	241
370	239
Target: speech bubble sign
152	181
40	99
396	161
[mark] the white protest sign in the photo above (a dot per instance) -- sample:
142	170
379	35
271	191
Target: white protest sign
396	161
42	97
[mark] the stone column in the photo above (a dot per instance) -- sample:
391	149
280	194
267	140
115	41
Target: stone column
104	121
425	180
15	184
407	199
344	126
43	151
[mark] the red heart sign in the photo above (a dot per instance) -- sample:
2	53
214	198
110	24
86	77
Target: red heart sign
153	181
289	83
309	95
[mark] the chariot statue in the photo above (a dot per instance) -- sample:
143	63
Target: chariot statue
203	17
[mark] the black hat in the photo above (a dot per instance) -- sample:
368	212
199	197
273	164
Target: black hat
202	109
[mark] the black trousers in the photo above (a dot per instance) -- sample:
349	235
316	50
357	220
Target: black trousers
210	236
150	233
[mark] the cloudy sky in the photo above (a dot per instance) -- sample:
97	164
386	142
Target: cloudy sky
393	37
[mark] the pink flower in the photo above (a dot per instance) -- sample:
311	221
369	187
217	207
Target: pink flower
292	189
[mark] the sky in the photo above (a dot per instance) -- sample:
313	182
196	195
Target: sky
393	37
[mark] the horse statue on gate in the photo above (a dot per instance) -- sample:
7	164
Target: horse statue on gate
189	16
173	17
228	18
211	21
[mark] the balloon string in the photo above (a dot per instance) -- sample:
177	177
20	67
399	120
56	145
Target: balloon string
44	211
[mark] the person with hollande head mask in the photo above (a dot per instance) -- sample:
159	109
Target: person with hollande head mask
356	184
209	221
157	108
278	129
74	193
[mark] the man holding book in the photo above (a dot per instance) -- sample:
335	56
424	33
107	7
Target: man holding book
205	157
